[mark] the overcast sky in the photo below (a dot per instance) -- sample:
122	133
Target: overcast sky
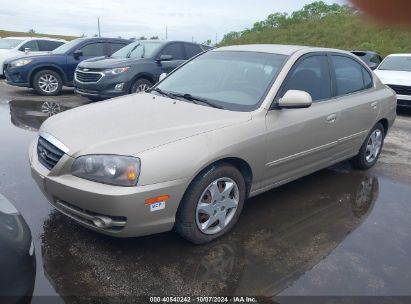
185	19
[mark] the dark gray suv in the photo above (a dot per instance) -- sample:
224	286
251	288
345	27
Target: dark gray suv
132	69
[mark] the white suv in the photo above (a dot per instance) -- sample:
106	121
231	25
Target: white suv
16	46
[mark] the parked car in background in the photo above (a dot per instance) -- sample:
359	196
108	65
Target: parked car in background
372	59
17	256
227	125
395	72
132	69
48	73
17	46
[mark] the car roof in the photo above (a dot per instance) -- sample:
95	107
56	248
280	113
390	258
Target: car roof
37	38
399	55
281	49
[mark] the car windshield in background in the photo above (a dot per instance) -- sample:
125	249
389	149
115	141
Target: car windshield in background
62	49
232	80
7	44
396	63
138	49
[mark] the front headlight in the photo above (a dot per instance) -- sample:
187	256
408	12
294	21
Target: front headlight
19	63
116	71
108	169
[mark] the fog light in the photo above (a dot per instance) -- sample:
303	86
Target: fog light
119	86
102	221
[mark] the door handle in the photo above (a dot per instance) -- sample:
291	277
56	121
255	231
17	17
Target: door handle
374	104
331	118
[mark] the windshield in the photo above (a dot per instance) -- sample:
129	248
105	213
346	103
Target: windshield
138	49
396	63
8	43
62	49
232	80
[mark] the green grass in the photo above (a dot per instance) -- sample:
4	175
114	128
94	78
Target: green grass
345	29
27	34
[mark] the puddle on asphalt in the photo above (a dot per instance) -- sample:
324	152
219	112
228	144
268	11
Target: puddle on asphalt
338	231
30	115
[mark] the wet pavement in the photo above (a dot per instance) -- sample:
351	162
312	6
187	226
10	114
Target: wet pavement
336	232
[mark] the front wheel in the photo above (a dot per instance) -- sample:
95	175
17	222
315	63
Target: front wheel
212	204
371	148
47	83
140	85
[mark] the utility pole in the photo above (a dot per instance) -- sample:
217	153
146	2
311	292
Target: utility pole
166	33
98	24
216	38
192	38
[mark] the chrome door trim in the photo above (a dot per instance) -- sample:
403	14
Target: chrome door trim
301	154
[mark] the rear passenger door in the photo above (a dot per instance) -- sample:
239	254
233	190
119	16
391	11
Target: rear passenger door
358	101
176	50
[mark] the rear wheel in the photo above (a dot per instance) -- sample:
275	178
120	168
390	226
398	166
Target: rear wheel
212	204
371	148
140	85
47	83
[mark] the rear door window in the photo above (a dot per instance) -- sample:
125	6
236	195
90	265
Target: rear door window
350	75
46	45
94	49
175	50
114	47
312	75
191	50
32	45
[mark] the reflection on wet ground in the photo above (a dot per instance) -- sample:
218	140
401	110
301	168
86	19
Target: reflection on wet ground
336	232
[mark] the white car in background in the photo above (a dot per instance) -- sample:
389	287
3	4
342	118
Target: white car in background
395	72
17	46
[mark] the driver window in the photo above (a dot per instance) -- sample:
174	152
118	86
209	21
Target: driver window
311	75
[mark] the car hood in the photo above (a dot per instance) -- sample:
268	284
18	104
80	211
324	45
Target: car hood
135	123
34	56
394	77
110	62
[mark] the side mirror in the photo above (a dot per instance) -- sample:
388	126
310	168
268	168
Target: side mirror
295	99
78	53
165	58
162	76
373	66
27	50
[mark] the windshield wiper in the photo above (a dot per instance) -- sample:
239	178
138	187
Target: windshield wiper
132	50
195	100
169	95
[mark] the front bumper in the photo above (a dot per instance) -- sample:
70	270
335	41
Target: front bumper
17	77
404	101
81	199
105	87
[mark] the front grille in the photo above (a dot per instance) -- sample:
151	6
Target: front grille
401	90
88	77
48	154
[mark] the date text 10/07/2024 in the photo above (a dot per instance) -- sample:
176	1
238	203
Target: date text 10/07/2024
203	299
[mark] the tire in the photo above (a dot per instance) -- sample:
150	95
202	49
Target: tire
189	217
369	154
47	83
140	85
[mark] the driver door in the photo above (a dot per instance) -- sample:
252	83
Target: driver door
303	140
176	51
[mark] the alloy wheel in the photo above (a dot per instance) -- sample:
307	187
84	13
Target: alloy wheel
217	205
374	145
141	88
48	83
